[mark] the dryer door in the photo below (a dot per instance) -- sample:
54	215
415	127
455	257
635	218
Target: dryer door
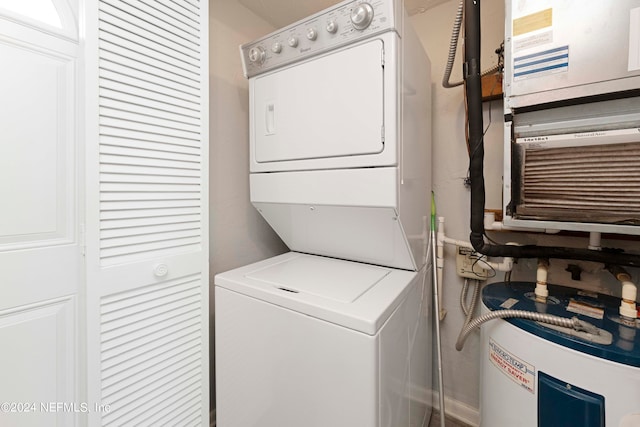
330	106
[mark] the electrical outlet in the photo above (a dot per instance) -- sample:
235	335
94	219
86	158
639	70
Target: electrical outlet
467	264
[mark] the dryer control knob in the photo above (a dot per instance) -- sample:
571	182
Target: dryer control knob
361	16
293	41
257	55
332	27
312	34
276	47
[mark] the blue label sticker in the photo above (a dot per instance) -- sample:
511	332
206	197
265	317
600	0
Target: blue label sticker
541	63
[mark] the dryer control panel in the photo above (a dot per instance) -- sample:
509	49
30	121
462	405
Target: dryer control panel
343	23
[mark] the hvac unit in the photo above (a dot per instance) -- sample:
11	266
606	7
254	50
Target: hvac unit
572	115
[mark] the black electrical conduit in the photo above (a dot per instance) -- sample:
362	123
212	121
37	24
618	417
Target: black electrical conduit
473	90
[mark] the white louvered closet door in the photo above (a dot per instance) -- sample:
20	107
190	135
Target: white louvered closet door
147	254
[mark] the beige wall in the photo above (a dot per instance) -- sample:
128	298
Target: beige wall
450	162
238	234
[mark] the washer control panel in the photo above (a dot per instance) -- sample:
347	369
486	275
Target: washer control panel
343	23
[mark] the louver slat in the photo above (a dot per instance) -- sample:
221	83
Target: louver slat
186	16
135	30
167	9
143	94
134	135
120	57
148	82
151	352
148	230
152	337
143	110
150	157
146	187
163	50
110	197
599	183
141	223
143	17
147	170
158	147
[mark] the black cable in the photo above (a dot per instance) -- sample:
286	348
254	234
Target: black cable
486	263
490	239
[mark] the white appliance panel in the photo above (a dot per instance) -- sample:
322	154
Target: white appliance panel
376	292
297	367
336	187
556	50
346	213
280	368
367	234
324	277
326	107
309	338
387	16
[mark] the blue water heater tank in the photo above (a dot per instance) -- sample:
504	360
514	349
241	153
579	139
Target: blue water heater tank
538	375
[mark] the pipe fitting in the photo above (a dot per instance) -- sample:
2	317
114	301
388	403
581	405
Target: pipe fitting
628	310
595	241
505	265
542	292
628	303
490	222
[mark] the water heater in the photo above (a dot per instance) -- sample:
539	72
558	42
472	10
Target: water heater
572	115
539	375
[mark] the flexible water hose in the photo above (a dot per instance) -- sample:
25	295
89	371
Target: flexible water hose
463	298
453	46
468	311
573	323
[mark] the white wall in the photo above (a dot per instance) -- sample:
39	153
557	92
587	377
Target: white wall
238	234
450	162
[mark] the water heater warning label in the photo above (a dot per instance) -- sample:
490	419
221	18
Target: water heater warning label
519	371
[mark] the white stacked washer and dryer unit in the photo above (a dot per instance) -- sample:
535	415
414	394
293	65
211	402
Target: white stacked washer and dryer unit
336	332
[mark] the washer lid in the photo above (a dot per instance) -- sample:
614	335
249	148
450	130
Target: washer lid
355	295
323	277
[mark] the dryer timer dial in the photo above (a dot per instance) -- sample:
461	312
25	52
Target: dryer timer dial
362	15
257	54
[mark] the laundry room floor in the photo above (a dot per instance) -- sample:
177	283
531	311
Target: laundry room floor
435	421
448	421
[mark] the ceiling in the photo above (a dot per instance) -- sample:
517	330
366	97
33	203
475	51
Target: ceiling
280	13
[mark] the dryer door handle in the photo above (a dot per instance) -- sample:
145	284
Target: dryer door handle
270	119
